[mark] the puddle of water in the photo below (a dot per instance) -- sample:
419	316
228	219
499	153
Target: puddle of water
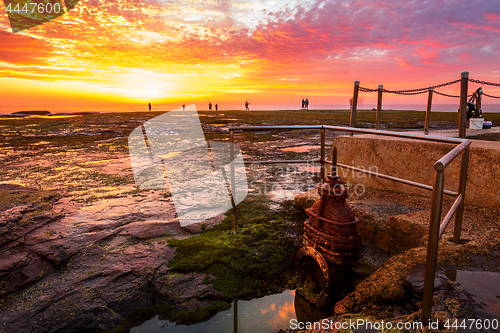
484	286
41	143
260	315
313	169
447	135
282	195
300	149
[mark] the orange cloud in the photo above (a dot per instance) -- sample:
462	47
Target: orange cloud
23	50
157	49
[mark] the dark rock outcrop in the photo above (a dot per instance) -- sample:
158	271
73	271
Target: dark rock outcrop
65	267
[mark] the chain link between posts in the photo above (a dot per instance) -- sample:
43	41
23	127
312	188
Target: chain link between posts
484	82
410	91
490	96
488	84
443	94
424	90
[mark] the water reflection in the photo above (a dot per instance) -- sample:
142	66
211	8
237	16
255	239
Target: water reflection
301	149
260	315
483	286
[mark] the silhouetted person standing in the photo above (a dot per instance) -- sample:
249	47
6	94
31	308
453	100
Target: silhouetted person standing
210	105
216	107
303	103
149	106
246	106
307	104
183	106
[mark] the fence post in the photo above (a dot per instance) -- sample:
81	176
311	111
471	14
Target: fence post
461	190
231	154
379	106
354	105
428	112
323	171
462	121
479	100
432	245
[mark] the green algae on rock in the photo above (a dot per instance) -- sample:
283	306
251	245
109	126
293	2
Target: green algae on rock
251	262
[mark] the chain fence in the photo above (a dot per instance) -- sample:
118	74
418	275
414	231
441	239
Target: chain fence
410	91
485	83
490	96
488	84
426	89
443	94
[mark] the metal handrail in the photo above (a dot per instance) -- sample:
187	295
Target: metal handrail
444	161
436	227
267	128
396	179
449	215
317	160
349	129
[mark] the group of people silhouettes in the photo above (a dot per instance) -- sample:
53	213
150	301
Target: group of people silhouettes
210	106
305	104
216	106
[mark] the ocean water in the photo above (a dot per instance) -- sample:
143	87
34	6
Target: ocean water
5	110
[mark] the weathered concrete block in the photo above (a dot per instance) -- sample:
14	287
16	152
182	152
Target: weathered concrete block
414	160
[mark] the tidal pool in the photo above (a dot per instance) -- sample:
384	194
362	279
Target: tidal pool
484	288
259	315
300	149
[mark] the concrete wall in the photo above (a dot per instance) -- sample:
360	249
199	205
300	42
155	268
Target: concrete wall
414	160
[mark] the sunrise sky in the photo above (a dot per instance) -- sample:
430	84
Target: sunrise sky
130	52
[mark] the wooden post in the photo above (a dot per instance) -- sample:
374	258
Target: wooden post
428	112
379	106
479	100
354	105
462	120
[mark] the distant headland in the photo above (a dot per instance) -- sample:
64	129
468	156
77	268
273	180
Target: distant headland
46	113
31	113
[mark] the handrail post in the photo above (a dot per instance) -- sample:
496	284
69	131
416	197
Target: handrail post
231	154
432	245
428	112
461	190
323	171
462	121
379	106
354	105
334	161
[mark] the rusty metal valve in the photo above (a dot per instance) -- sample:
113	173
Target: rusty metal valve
331	239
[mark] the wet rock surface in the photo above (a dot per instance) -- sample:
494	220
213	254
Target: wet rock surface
80	245
73	267
93	265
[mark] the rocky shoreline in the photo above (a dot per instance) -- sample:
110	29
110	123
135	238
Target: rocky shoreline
82	249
